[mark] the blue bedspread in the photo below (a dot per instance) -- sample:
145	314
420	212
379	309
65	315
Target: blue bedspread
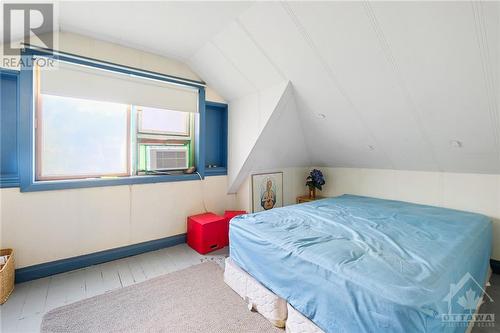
359	264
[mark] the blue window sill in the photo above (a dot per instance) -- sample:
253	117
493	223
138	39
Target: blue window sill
218	171
99	182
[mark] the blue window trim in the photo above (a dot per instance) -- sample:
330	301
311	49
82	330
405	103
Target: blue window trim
219	171
26	130
12	179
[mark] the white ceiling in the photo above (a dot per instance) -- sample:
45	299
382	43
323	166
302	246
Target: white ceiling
174	29
404	78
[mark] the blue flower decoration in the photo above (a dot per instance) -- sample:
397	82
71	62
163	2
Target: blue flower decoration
315	179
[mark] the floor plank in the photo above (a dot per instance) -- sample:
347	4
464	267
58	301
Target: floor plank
29	324
94	284
74	286
136	269
11	311
110	276
56	293
124	273
150	269
37	296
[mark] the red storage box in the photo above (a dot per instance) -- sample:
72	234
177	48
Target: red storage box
207	232
229	214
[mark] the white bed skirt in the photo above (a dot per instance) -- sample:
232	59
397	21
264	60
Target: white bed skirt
298	323
255	294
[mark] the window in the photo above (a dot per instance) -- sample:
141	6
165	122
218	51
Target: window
94	123
158	121
164	140
79	138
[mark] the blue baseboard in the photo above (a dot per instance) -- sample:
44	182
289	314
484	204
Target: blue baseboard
495	266
64	265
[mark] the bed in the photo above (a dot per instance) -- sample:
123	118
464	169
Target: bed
360	264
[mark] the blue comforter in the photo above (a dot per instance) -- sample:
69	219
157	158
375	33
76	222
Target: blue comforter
359	264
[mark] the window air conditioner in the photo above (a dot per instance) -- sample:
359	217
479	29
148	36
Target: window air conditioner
167	158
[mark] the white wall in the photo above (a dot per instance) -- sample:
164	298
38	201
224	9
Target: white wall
280	142
246	121
51	225
478	193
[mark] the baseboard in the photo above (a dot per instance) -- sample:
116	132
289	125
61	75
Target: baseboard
64	265
495	266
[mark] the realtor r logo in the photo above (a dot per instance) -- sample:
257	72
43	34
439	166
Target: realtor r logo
24	21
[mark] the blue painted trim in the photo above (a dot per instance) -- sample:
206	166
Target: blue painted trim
7	181
26	131
222	165
64	265
100	182
12	179
495	266
26	139
82	60
216	104
200	133
225	137
218	171
9	71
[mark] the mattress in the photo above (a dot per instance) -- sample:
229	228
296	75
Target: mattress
259	298
297	323
359	264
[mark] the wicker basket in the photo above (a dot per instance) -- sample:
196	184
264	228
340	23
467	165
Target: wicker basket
6	275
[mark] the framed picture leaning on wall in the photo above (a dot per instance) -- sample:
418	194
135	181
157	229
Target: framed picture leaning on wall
267	191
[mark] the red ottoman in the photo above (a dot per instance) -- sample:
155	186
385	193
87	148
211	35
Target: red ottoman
207	232
229	214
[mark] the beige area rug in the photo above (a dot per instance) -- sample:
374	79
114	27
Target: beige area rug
195	299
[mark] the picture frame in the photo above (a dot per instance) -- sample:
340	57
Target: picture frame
267	191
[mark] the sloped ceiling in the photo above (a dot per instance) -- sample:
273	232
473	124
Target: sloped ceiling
280	139
401	85
381	85
175	29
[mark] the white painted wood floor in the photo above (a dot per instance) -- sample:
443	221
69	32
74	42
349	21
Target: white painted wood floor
24	310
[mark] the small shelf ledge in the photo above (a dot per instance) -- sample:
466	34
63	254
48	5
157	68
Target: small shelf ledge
217	171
